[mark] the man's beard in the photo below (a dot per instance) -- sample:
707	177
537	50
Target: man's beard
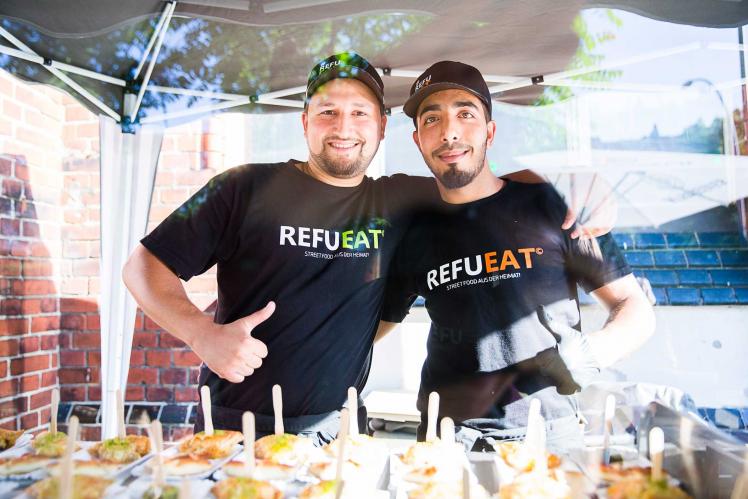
341	167
454	178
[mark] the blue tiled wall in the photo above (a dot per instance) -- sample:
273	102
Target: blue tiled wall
690	268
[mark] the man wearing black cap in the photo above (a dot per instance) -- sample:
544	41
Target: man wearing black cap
301	248
499	278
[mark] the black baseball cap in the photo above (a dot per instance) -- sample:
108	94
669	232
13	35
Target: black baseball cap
445	75
345	65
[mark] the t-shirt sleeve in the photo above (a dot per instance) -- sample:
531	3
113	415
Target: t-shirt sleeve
197	234
593	262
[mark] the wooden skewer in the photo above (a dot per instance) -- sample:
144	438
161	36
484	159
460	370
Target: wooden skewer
278	409
433	416
541	461
53	413
448	430
248	427
656	449
207	410
157	441
66	476
342	438
184	490
465	483
610	409
120	414
353	408
532	437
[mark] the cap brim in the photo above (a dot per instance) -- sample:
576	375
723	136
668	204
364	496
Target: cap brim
410	108
345	72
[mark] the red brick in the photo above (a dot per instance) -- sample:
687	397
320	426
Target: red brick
33	287
68	305
30	383
9	348
50	341
144	340
13	326
39	249
146	375
8	388
93	358
20	248
72	321
48	323
11	306
137	358
10	227
74	249
186	358
40	399
91	433
44	415
167	340
6	165
158	394
31	307
173	376
10	267
49	378
29	364
66	339
72	393
187	394
150	325
50	305
86	340
94	375
12	408
21	171
3	368
74	375
94	392
194	375
30	344
158	358
36	268
5	245
87	267
30	420
73	358
12	188
93	323
30	229
136	392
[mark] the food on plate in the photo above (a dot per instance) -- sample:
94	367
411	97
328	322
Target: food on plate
216	446
163	492
325	470
324	489
186	465
245	488
8	438
23	464
515	455
121	450
642	487
84	487
359	449
264	470
97	467
50	444
424	454
285	448
534	485
614	472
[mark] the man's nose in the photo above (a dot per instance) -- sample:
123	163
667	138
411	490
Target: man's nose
343	123
450	131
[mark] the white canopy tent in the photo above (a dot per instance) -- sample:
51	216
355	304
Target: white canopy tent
131	138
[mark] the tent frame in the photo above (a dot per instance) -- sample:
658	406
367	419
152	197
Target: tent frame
129	120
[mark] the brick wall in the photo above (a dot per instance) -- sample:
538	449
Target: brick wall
49	263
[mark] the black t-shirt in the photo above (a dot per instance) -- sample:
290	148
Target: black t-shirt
320	252
484	268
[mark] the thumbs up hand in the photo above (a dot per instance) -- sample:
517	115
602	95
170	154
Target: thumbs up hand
230	350
573	348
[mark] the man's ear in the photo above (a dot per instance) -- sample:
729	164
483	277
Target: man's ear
415	139
491	126
304	121
384	126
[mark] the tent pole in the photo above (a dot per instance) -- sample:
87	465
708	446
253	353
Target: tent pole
196	93
149	71
19	54
148	48
190	112
62	76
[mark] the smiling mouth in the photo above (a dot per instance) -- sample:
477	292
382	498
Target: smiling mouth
343	145
452	156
